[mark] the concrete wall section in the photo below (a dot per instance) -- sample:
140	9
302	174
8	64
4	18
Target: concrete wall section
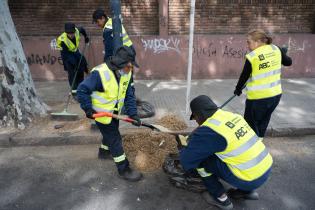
165	57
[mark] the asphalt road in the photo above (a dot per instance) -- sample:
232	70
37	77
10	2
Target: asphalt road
71	177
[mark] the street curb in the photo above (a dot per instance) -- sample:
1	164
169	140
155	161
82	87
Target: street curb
94	137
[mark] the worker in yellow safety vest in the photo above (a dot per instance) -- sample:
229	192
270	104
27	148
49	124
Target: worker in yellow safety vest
262	76
106	24
107	89
225	147
73	61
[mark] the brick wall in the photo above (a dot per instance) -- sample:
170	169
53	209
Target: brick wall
238	16
47	17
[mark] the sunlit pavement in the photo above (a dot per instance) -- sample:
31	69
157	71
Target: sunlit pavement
295	113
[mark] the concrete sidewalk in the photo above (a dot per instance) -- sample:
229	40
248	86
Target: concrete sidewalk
295	114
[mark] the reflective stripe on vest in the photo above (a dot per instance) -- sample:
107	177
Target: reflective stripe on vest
265	80
245	154
113	97
125	38
64	38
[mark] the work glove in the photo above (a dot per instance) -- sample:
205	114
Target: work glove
237	92
137	121
89	113
86	40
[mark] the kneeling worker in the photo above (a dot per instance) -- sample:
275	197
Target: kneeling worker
224	146
107	89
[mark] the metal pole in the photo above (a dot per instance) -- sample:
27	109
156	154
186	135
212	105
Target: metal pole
116	17
191	42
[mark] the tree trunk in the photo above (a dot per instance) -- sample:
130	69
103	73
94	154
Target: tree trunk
19	103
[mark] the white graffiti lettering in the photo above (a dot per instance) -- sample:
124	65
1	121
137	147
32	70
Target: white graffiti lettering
294	46
161	45
53	44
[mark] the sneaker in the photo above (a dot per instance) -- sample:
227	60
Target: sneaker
239	194
226	204
104	154
130	175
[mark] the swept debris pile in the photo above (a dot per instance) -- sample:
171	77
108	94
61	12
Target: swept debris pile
172	122
147	149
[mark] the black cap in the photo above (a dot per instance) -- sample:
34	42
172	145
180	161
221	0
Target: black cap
98	14
202	105
122	57
69	27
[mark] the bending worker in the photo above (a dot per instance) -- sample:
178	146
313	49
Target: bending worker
68	42
108	89
262	72
225	147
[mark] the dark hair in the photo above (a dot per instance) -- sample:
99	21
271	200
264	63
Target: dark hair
98	14
260	35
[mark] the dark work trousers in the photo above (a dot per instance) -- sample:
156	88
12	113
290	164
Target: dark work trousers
219	169
71	62
258	113
112	139
79	78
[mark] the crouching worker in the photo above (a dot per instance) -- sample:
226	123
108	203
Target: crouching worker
225	147
107	89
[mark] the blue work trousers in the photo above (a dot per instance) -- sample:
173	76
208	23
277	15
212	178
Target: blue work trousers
112	139
219	169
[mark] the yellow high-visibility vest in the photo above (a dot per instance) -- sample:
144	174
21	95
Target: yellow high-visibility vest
265	80
113	94
245	155
125	38
64	38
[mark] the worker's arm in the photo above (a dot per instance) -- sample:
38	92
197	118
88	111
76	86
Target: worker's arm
91	83
83	32
203	142
130	102
285	60
108	43
247	70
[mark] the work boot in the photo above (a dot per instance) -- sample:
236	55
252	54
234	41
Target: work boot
130	175
104	154
239	194
224	203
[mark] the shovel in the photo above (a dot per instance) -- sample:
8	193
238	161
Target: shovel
154	127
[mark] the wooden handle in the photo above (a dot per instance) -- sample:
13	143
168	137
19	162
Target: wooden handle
108	114
102	114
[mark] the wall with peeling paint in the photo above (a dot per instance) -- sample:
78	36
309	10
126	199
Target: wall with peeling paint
165	57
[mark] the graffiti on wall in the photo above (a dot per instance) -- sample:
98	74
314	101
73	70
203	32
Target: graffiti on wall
226	51
161	45
43	59
294	46
232	52
53	44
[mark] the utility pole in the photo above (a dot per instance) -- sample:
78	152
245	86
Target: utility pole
191	43
115	6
